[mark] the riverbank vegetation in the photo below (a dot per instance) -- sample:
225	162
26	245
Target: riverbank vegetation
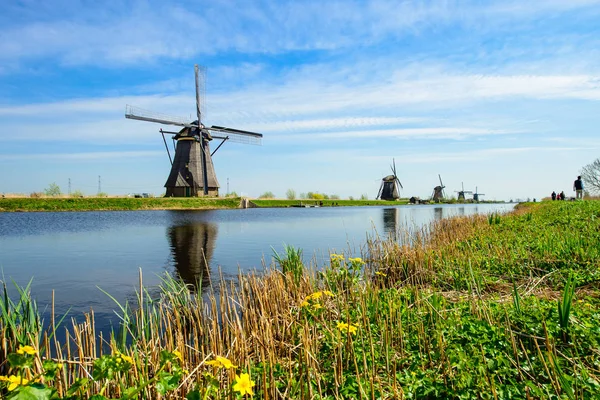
480	307
325	203
116	203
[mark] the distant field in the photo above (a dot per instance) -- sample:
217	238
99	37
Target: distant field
113	204
325	203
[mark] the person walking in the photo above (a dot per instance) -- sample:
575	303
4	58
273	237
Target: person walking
578	188
553	196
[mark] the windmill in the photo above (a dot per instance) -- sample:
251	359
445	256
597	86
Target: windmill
192	169
476	195
461	193
438	191
389	185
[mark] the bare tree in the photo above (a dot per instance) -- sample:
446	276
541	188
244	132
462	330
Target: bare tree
290	194
590	174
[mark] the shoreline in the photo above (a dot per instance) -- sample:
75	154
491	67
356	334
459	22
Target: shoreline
70	204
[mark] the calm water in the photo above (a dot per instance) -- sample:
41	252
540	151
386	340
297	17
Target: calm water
76	253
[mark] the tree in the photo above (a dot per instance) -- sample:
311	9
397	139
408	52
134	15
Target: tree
590	174
290	194
364	196
52	190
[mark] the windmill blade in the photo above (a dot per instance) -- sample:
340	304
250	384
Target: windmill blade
394	168
236	135
200	78
441	183
140	114
399	183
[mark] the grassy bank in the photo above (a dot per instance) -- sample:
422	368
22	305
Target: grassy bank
325	203
100	203
482	307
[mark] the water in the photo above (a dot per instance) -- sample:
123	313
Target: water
78	253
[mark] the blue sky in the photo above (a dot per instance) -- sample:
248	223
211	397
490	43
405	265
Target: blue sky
501	95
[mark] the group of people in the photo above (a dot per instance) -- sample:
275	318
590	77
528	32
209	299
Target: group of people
577	187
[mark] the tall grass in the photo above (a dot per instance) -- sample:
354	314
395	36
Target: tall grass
454	315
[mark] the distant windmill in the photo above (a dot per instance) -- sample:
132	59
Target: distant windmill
438	191
476	195
192	170
461	193
389	185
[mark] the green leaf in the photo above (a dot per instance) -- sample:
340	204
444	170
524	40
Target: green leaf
193	395
32	392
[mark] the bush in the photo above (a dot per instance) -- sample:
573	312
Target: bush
290	194
364	196
52	190
36	195
267	195
77	193
102	194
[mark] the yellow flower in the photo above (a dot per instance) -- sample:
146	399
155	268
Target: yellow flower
337	257
380	274
177	354
26	349
304	304
328	293
127	358
314	296
225	362
243	384
15	381
347	328
317	306
221	362
356	260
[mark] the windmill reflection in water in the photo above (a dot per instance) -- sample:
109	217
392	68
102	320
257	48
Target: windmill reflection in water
192	247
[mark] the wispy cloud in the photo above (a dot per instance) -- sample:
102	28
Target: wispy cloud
90	156
140	32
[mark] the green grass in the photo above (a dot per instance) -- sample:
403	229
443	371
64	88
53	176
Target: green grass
480	307
326	203
97	203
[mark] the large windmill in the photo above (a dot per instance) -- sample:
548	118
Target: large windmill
438	191
192	169
476	195
461	193
389	186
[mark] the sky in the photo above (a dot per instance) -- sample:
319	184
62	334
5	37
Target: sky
498	96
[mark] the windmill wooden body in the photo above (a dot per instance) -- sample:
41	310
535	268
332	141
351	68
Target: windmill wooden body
477	195
192	170
438	191
389	186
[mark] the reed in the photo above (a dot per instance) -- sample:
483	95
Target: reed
463	309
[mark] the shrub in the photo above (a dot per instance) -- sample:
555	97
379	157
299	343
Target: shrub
52	190
364	196
77	193
290	194
267	195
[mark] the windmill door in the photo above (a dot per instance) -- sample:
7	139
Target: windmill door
187	191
